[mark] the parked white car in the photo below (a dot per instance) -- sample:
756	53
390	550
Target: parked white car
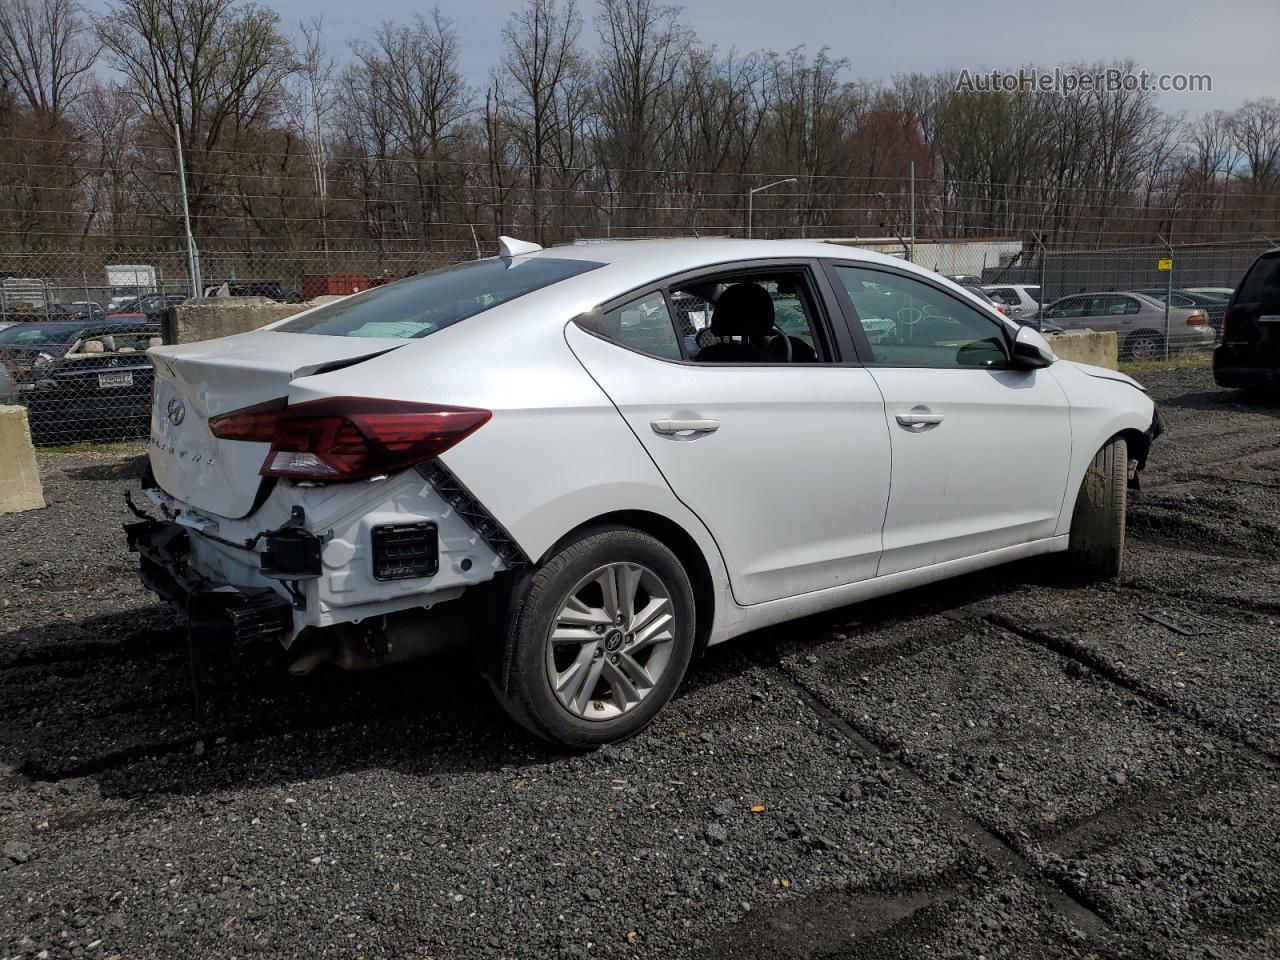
536	456
1022	299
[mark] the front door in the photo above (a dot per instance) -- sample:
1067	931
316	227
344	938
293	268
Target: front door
981	450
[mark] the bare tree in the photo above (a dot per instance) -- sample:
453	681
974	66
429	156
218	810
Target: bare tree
642	46
414	70
45	51
212	68
540	88
312	106
1256	129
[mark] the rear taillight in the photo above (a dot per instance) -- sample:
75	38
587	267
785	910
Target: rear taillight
1226	321
347	438
1197	319
256	423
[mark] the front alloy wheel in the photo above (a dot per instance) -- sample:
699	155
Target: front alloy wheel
599	638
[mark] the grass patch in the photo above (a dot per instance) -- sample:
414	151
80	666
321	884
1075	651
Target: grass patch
1181	361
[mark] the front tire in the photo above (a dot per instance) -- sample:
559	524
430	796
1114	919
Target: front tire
599	639
1097	524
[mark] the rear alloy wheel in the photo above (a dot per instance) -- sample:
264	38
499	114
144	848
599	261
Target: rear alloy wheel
1143	346
601	640
1097	525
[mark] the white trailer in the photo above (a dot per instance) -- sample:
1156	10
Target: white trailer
128	281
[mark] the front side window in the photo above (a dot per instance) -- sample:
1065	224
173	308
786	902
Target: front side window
645	326
1004	295
912	324
418	306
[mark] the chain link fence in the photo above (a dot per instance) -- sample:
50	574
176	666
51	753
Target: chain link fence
75	327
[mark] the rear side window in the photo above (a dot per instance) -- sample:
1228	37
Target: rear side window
1262	283
644	325
419	306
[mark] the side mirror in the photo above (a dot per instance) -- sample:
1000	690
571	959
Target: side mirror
1031	351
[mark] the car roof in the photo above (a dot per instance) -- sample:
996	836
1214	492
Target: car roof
635	262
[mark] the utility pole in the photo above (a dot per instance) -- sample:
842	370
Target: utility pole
751	196
193	254
1168	295
913	211
1043	256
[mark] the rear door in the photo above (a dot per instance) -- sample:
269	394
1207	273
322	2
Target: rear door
787	463
1252	322
980	450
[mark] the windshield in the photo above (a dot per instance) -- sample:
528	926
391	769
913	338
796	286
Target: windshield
38	334
419	306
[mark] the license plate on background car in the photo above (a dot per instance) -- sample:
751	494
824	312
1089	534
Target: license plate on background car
115	379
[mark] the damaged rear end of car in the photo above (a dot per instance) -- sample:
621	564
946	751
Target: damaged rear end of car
293	500
325	524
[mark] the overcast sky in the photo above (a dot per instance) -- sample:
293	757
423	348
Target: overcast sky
1234	41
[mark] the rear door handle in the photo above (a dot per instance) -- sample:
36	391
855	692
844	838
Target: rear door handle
919	421
684	429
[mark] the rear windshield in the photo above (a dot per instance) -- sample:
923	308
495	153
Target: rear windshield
1262	282
421	305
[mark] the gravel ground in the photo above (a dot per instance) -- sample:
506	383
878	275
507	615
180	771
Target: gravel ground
1003	765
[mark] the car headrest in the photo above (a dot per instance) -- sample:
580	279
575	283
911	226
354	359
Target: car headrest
93	346
744	310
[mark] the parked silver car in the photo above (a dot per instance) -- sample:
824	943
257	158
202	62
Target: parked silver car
1137	320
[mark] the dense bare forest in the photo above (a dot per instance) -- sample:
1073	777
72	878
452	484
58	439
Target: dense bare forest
611	121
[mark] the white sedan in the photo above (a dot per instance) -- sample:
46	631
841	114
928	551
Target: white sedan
551	457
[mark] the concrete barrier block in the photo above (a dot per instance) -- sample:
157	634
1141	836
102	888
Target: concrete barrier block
20	487
1100	348
207	318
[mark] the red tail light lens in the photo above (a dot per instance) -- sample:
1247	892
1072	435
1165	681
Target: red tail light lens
1197	320
348	438
1226	319
256	423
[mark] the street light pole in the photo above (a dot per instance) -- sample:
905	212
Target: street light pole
751	197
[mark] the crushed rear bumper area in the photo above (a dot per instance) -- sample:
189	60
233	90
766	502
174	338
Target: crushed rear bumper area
247	614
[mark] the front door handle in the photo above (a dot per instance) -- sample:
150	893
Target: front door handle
919	421
684	429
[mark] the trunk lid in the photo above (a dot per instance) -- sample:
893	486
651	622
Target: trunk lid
196	381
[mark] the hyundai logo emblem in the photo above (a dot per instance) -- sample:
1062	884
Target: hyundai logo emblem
176	411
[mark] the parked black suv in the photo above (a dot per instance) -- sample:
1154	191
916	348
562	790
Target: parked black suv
1249	355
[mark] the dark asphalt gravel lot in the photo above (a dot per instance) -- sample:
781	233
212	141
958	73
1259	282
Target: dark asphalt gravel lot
1006	765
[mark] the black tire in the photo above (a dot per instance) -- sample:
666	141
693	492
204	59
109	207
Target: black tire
1143	345
524	687
1097	524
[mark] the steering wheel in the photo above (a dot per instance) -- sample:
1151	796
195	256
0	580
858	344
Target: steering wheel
786	341
909	316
